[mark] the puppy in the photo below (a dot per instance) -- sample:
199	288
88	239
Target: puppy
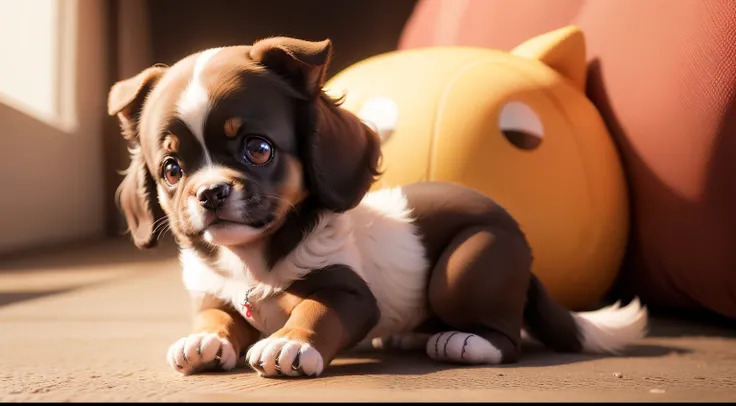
264	182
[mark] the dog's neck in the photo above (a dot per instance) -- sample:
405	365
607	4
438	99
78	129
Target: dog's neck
257	263
298	223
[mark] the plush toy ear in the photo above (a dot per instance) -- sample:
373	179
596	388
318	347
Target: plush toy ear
562	50
301	63
136	195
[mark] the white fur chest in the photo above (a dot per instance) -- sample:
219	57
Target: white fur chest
266	315
376	239
393	260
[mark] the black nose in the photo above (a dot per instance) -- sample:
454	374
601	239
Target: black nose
212	197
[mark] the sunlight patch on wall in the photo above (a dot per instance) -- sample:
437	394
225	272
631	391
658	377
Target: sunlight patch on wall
37	49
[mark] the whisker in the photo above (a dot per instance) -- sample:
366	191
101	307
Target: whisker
161	220
281	199
160	224
260	203
164	231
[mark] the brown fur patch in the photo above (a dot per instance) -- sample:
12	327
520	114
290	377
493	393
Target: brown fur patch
213	315
171	143
292	190
232	126
332	310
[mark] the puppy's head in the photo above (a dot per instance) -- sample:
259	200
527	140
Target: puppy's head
226	142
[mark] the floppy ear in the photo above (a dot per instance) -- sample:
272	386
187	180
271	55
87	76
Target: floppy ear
342	156
137	199
136	196
126	98
341	153
301	63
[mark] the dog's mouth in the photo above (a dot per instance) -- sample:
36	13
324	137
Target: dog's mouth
259	223
227	232
240	224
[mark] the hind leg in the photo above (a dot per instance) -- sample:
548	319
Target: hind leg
478	287
411	341
404	342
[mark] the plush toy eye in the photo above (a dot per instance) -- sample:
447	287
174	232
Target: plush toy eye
521	126
257	151
171	171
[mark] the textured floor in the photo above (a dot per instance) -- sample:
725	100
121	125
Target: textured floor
93	324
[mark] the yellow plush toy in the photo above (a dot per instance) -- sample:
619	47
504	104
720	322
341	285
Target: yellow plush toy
517	126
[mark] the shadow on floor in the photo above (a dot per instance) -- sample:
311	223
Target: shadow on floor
8	298
536	356
85	255
678	323
42	269
369	362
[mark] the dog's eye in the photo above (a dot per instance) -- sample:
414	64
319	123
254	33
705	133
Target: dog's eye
171	172
257	151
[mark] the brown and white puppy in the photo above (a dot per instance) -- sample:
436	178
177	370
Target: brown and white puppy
263	180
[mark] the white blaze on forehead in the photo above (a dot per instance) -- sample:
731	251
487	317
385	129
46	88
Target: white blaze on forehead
211	175
194	104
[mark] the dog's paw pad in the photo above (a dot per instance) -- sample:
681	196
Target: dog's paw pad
198	352
456	346
284	357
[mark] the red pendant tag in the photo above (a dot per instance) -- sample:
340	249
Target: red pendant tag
247	310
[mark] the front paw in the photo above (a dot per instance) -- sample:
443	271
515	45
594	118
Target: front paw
281	356
202	351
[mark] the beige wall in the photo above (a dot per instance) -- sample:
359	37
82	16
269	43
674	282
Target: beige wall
130	54
53	89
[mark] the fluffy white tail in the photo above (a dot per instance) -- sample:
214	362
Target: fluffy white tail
611	329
